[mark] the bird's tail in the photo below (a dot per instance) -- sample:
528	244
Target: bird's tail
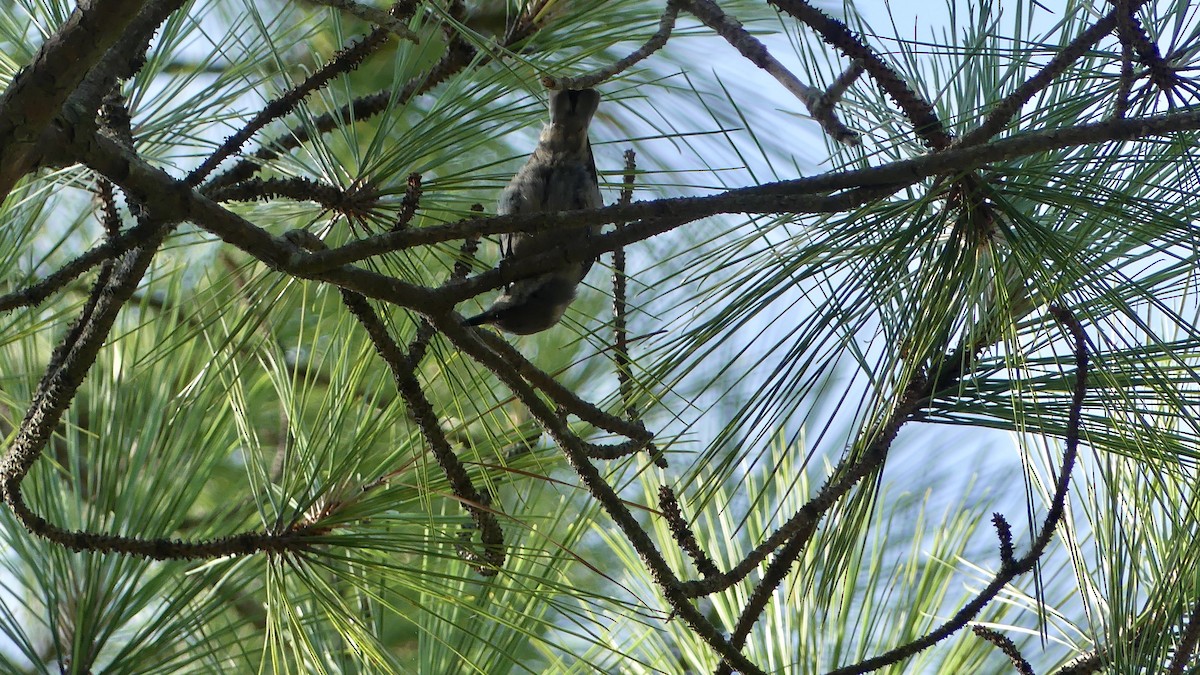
481	318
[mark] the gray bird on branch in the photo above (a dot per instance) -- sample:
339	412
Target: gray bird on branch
560	175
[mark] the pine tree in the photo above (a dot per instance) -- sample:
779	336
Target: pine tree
850	301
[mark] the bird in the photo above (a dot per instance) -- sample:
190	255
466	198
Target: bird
560	175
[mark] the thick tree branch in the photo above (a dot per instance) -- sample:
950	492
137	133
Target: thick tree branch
802	195
1189	635
36	95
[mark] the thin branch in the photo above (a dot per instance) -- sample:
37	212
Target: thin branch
469	341
669	214
795	535
110	218
1003	112
1008	573
403	371
153	186
422	411
1006	646
711	15
656	42
125	58
344	61
66	371
620	328
375	16
36	293
919	112
682	532
1186	649
1125	83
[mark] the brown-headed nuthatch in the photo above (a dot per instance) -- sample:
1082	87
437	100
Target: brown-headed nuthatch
559	176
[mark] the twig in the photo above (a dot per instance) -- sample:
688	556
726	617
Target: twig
344	61
564	397
376	16
492	559
1027	562
794	535
617	451
1004	535
470	342
620	327
110	218
1003	112
1133	33
403	371
823	108
711	15
834	92
462	267
683	534
655	43
332	197
835	33
1006	646
165	196
1186	648
459	54
1088	664
408	209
